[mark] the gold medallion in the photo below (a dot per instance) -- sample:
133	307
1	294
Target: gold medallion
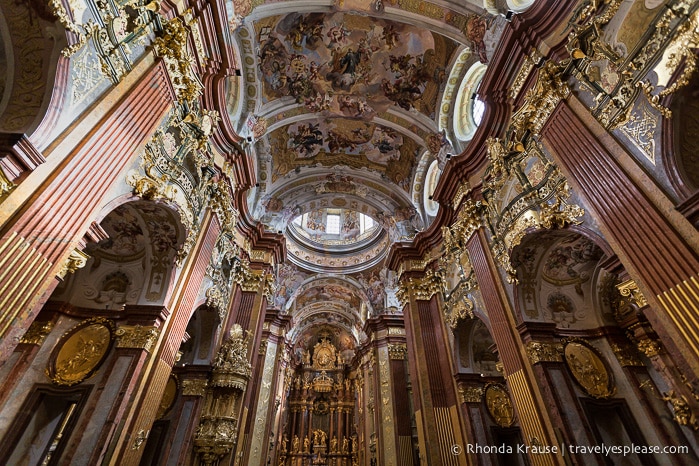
80	352
169	396
499	405
588	369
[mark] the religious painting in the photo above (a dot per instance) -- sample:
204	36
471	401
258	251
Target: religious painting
80	352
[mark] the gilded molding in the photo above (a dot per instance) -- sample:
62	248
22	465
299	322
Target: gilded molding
6	186
397	351
471	393
544	351
682	46
137	336
539	101
464	190
468	220
649	347
82	32
76	260
194	387
682	413
37	333
459	305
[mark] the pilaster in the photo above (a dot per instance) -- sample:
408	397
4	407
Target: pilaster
532	412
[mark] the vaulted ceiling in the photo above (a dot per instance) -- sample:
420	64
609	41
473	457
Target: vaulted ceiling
344	105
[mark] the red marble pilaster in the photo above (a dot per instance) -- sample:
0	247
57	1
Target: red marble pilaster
42	235
531	411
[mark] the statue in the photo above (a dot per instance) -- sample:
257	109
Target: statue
354	444
345	445
306	357
333	445
284	442
340	362
306	445
295	444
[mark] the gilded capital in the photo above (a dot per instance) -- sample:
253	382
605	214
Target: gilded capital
627	355
37	333
76	260
137	336
194	387
397	351
421	289
471	393
544	351
631	294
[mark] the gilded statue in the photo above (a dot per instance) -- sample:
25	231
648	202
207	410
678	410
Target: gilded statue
306	445
295	444
333	445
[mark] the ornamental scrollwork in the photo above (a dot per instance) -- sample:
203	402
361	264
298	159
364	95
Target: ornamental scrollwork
523	191
177	166
674	28
119	31
224	258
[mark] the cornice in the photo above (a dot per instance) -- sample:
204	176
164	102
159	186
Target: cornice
424	241
260	239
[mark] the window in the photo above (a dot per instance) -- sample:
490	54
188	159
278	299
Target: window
469	110
365	223
333	224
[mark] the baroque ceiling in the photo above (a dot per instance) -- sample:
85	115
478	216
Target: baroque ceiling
342	108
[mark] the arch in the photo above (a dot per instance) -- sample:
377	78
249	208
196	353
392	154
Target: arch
559	273
202	334
132	258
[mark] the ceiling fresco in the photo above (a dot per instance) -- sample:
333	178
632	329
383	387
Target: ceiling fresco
349	65
338	104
